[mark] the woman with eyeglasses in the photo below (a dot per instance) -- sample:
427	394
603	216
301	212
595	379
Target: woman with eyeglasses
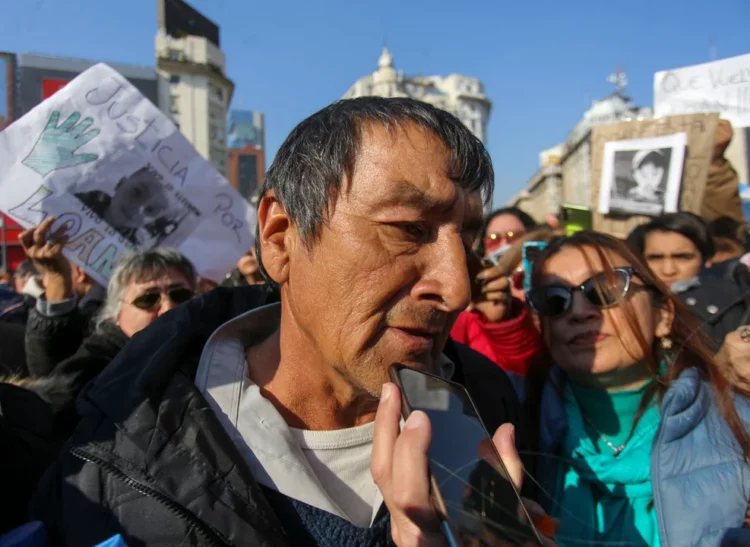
642	437
144	285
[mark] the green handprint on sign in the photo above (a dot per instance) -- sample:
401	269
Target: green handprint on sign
56	148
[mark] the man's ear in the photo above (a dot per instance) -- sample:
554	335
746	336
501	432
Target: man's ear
664	319
275	232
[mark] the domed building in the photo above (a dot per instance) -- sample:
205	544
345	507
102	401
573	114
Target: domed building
460	95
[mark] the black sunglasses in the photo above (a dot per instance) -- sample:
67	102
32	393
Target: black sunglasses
599	290
150	300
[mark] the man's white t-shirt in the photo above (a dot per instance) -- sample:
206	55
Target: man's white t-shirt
329	470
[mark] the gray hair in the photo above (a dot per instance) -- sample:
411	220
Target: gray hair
311	163
141	265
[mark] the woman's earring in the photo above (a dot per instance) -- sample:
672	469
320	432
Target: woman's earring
666	343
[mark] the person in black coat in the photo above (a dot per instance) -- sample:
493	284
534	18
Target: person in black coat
679	248
231	421
144	286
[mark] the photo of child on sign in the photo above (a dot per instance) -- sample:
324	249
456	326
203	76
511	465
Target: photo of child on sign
139	208
642	176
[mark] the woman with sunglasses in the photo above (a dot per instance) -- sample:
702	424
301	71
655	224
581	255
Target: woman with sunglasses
502	227
144	285
642	437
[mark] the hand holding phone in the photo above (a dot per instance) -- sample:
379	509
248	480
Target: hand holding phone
490	289
458	498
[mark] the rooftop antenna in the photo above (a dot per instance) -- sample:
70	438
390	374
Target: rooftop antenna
619	79
711	48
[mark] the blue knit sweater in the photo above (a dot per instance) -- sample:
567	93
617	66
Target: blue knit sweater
306	525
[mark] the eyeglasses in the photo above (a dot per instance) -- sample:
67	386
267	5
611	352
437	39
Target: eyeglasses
495	240
599	290
151	300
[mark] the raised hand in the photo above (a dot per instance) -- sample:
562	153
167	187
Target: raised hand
45	250
56	147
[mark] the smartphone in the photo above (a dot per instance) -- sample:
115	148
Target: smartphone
576	218
472	494
530	251
493	259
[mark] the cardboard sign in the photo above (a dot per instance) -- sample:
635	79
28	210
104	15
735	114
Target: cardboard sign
118	173
721	86
701	134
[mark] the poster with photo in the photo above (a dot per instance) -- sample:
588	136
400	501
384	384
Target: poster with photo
113	169
642	176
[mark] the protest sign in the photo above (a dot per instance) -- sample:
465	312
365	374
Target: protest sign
119	175
642	176
721	86
701	133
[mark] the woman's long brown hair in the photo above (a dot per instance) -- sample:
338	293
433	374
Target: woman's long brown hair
689	345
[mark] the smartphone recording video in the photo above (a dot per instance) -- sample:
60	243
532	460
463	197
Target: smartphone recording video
470	484
531	249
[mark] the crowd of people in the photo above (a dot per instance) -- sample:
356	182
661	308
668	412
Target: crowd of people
166	410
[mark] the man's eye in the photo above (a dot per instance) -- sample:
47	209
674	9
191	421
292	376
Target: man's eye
415	230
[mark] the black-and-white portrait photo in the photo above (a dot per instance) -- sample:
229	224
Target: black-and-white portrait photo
642	176
141	209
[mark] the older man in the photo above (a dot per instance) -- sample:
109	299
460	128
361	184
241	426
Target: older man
222	426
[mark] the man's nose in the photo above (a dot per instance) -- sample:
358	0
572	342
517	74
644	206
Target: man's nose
445	278
166	305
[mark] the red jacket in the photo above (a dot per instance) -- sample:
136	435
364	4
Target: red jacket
511	344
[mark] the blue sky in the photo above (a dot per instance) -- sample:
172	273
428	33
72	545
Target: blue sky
542	62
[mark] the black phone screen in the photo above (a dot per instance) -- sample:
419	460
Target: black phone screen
483	506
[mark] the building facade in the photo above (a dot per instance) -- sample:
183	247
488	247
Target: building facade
41	76
245	127
247	152
576	161
564	175
460	95
189	58
542	195
245	172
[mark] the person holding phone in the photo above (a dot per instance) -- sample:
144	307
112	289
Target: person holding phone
497	324
236	420
645	435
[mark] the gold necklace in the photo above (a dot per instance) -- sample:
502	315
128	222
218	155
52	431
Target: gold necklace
616	449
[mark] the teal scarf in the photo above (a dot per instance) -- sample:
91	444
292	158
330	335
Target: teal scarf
602	498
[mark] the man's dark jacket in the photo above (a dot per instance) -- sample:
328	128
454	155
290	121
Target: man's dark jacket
150	460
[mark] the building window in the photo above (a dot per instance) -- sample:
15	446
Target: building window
174	79
248	175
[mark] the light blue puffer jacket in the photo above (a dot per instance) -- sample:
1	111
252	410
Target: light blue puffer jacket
701	483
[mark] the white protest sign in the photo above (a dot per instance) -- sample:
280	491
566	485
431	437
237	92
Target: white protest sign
721	86
117	172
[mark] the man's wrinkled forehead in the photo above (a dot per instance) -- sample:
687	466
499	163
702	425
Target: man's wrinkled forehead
403	166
